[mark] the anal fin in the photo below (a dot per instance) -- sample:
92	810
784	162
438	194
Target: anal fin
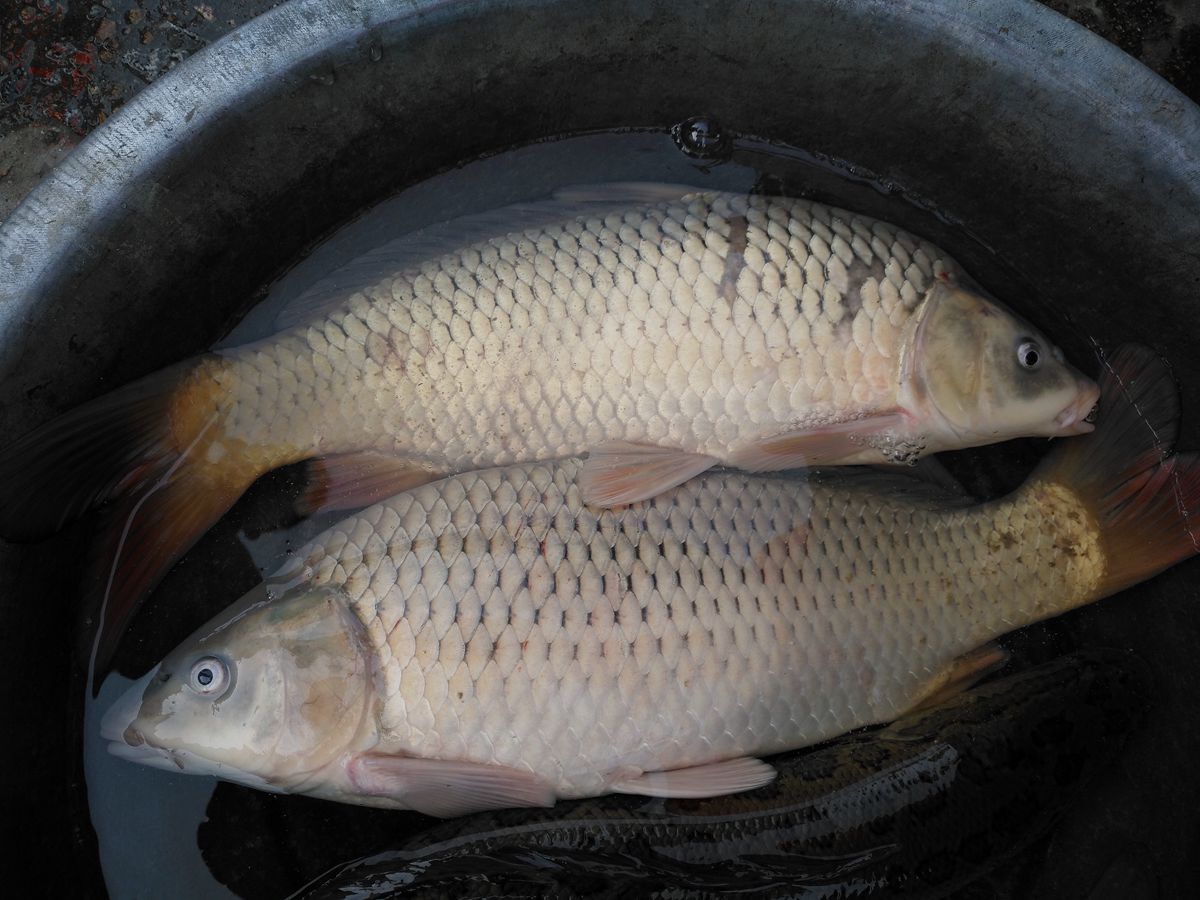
929	470
445	788
961	675
619	473
729	776
353	480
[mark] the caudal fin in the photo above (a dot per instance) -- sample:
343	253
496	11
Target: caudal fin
145	448
1145	498
85	457
146	533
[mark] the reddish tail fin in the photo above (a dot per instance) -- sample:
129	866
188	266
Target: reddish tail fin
1146	500
144	446
149	529
85	457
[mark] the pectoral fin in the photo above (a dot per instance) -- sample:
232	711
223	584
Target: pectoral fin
729	776
353	480
823	445
447	788
619	473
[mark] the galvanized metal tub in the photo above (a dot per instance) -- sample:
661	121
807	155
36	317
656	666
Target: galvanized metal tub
1075	169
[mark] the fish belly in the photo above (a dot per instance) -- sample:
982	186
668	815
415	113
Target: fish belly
699	324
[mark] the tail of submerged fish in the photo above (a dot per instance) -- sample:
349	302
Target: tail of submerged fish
1144	501
155	449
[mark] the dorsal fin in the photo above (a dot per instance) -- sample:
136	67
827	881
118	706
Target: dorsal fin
626	192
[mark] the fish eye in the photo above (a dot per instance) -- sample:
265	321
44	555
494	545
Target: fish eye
1029	355
209	676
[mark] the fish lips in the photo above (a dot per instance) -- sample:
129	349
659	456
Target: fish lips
124	711
147	756
125	741
1077	417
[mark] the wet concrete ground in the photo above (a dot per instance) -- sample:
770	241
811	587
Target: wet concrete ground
66	66
74	63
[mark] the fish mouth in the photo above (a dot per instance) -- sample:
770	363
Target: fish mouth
1077	417
119	726
143	753
125	709
132	746
124	740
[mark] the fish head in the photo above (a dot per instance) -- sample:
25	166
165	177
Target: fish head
268	694
979	374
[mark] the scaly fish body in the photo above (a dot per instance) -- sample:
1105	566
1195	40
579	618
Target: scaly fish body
490	639
905	808
703	324
508	623
661	332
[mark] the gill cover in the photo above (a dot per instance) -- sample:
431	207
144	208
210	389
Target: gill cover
985	375
266	695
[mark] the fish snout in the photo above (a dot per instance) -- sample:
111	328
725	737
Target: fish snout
1076	418
118	722
118	719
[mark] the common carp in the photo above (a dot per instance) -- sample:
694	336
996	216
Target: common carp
920	808
660	330
490	640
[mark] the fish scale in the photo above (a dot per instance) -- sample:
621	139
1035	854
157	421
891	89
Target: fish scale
735	615
625	319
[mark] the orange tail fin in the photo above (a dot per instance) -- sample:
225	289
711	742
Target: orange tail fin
86	457
1146	499
147	447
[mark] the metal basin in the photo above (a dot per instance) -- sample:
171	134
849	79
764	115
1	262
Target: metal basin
1073	169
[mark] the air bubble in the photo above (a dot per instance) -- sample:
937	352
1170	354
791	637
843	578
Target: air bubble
702	137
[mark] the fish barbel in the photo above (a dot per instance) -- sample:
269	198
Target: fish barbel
489	640
660	330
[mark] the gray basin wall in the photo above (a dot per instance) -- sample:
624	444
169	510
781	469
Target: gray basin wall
1074	168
